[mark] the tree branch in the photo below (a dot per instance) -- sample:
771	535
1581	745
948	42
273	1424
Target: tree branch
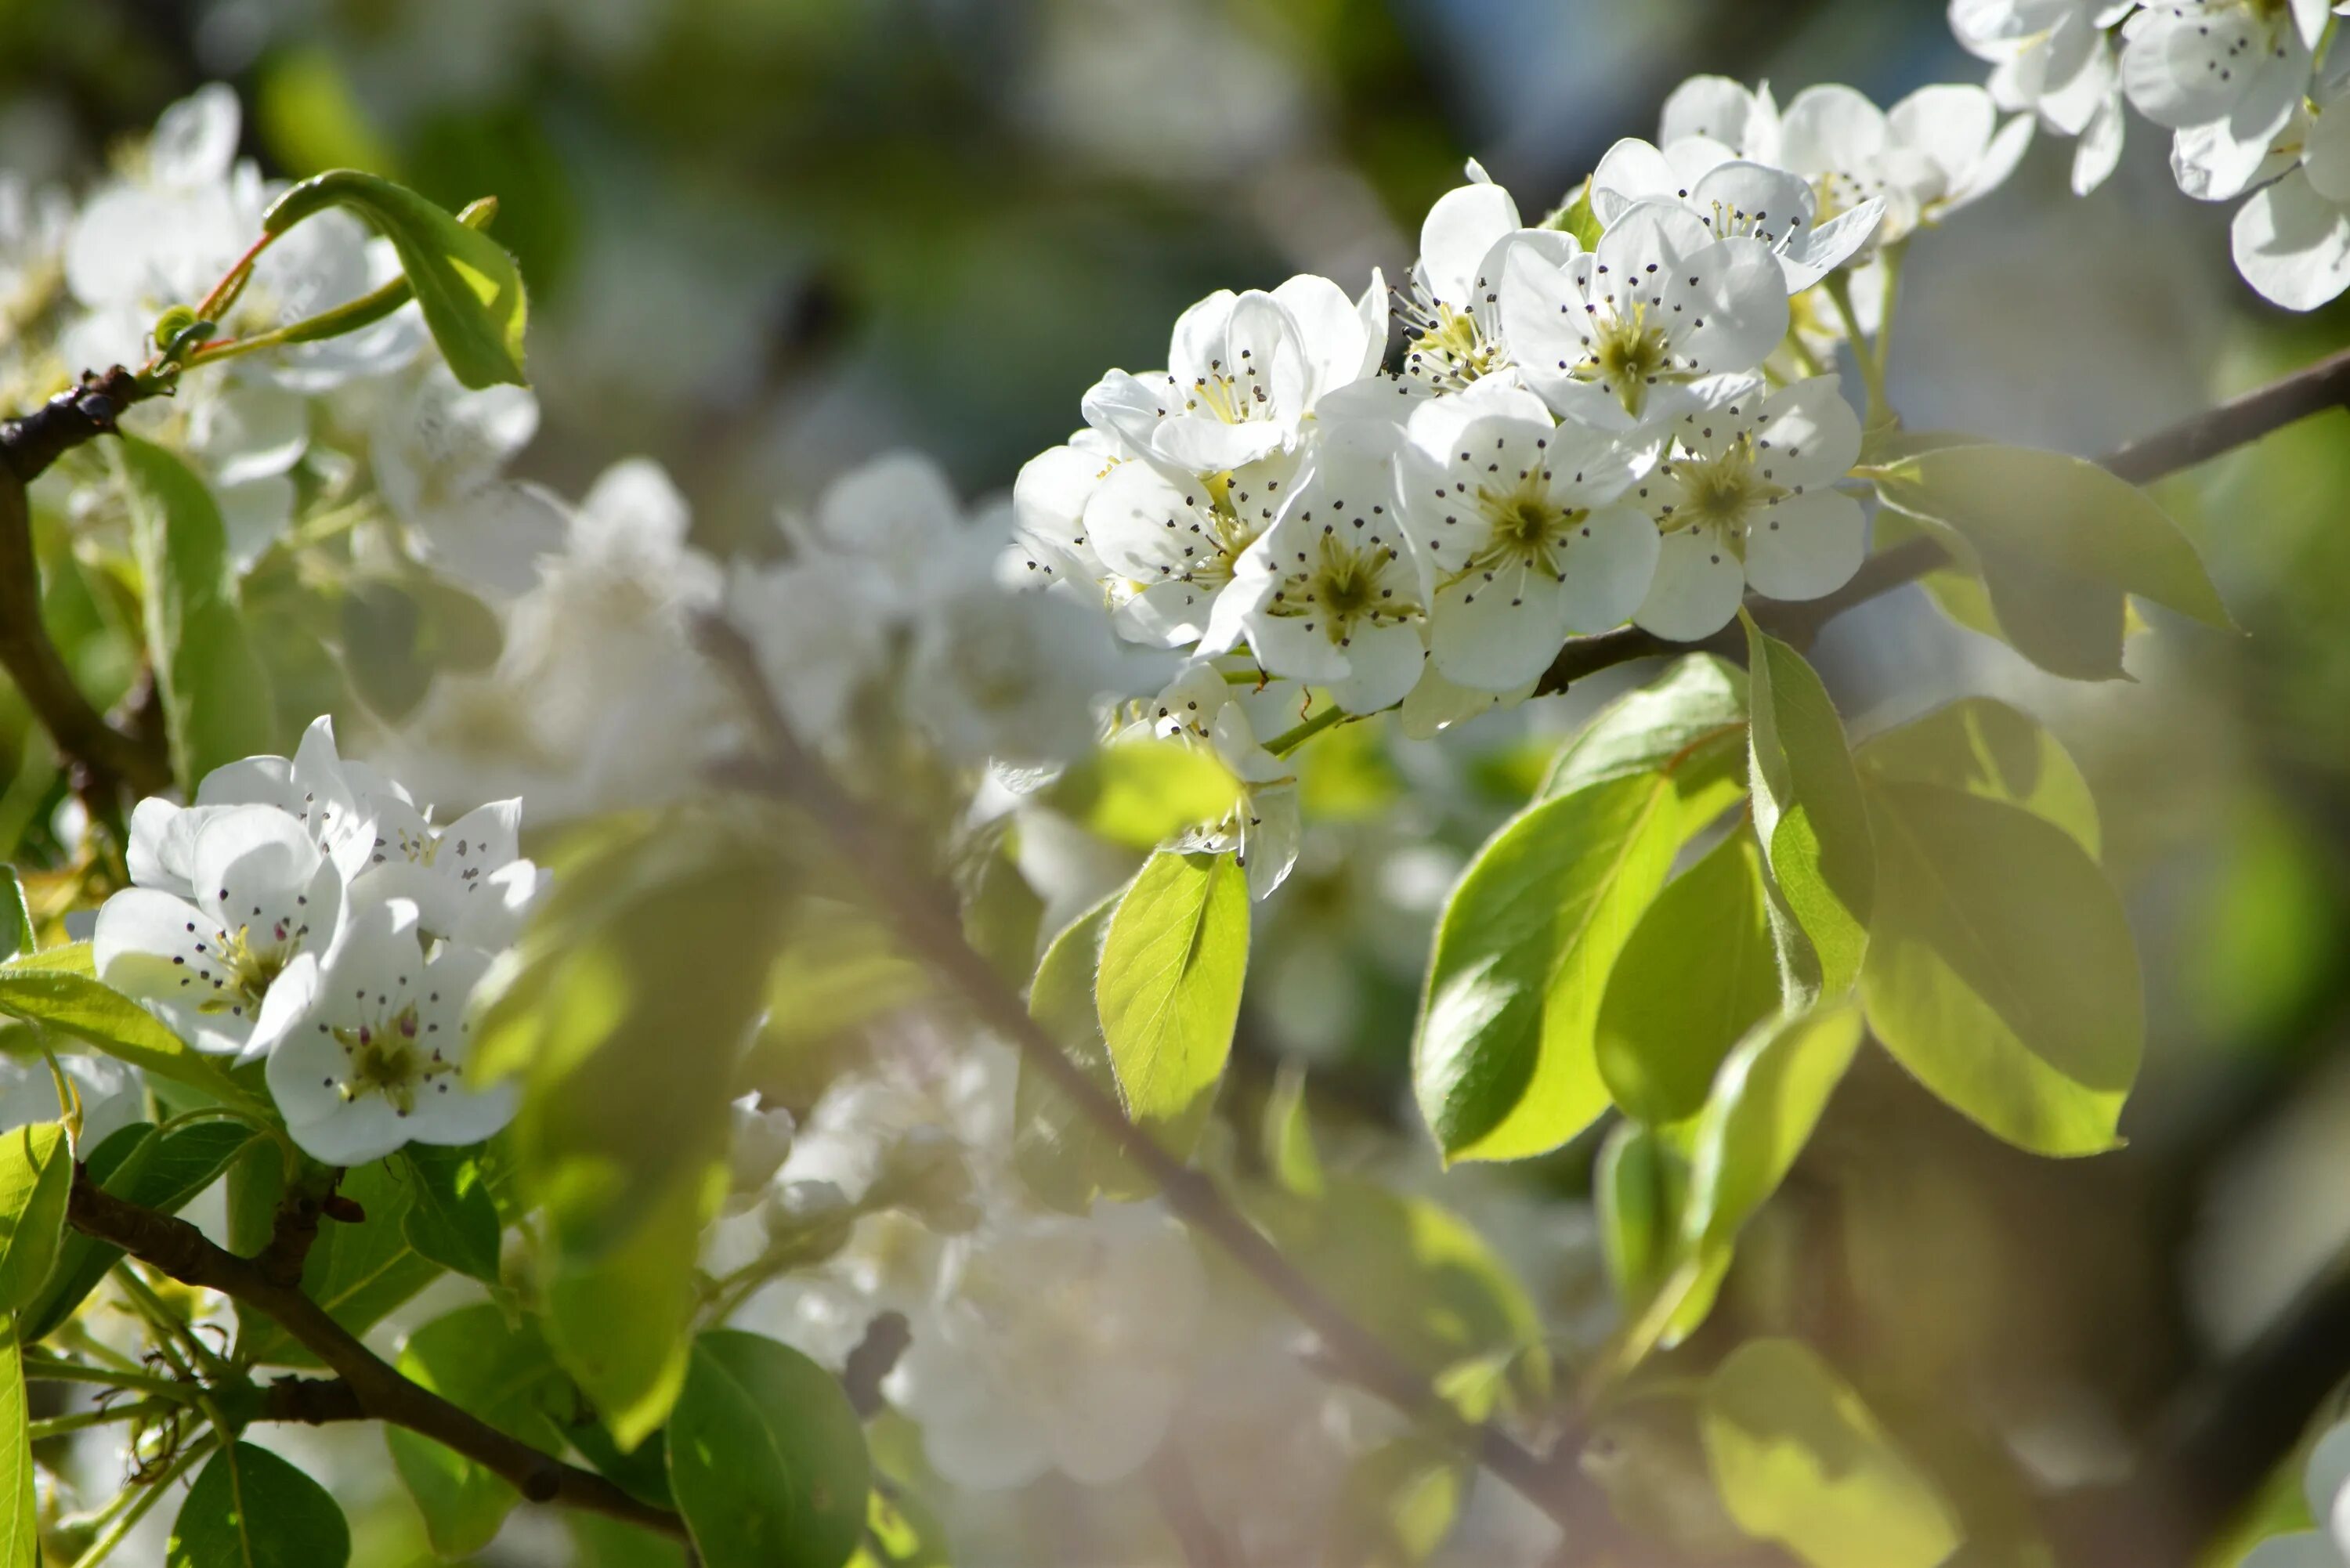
365	1385
2194	440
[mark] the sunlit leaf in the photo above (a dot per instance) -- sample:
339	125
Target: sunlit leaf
1698	705
1808	813
767	1456
1800	1461
1766	1101
1170	988
1695	974
20	1542
2000	969
1984	747
489	1367
48	990
36	1165
450	1219
1143	791
249	1509
1064	1158
16	916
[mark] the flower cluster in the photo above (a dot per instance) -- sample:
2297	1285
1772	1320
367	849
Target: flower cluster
1615	414
2253	92
308	913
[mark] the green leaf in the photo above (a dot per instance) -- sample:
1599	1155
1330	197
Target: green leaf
466	284
20	1536
16	916
162	1173
1698	705
1141	793
358	1270
398	633
1063	1156
249	1509
450	1219
1808	813
1984	747
37	1168
767	1456
50	990
1695	974
2064	514
623	1011
1288	1135
2000	970
1800	1461
490	1368
214	684
1636	1188
1766	1101
1399	1503
71	957
618	1320
1576	218
1504	1061
1169	989
899	1532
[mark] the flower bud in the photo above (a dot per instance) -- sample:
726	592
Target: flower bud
762	1137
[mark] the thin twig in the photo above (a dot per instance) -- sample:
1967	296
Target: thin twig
376	1389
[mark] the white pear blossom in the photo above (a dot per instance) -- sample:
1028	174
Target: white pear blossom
1204	705
1451	318
1730	113
1014	676
440	452
1525	530
1745	497
898	516
2292	239
1335	593
2053	58
1054	1343
1614	338
264	895
819	633
1049	501
1244	372
2226	75
762	1141
1937	151
2325	1486
368	1048
442	871
1171	541
315	787
1731	195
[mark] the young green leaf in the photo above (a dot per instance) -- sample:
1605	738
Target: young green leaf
1808	814
1799	1459
36	1165
16	916
465	282
1766	1101
2001	969
1288	1134
162	1173
1170	988
2061	513
1695	974
477	1360
20	1515
1984	747
1637	1187
450	1219
1063	1156
1143	791
249	1509
1399	1502
617	1320
357	1270
767	1456
1698	705
49	991
1504	1062
214	685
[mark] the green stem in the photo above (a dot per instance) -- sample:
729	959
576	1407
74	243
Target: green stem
82	1420
47	1370
1893	257
1289	740
144	1498
172	1326
1839	287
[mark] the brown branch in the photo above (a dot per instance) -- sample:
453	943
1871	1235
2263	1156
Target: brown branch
374	1389
2194	440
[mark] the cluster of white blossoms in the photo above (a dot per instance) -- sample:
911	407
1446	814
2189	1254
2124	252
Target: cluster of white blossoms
2255	93
310	913
1601	418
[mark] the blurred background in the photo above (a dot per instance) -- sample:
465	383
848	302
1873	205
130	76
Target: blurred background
769	238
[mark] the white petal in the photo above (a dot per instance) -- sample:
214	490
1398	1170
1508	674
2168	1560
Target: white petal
2099	151
1128	407
495	536
1696	587
1197	339
1206	444
1438	703
897	509
1816	253
1724	110
1768	205
251	432
2185	64
139	932
1631	170
1806	546
2294	245
2326	155
1496	633
1383	665
1828	128
1270	840
195	138
1330	333
1735	297
1812	434
151	856
1460	229
291	999
1143	518
2328	1475
1950	123
1609	565
254	516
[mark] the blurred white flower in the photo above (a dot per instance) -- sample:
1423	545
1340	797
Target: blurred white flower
762	1139
440	452
2052	58
2292	239
1012	676
1053	1343
2225	75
